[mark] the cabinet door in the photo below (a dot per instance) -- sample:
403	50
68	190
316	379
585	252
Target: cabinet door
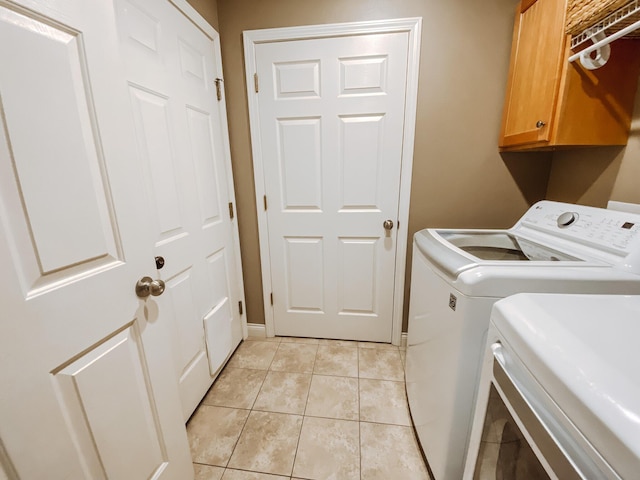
534	77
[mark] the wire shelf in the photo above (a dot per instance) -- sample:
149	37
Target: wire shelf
621	14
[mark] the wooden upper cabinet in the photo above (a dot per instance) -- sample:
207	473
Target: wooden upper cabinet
551	102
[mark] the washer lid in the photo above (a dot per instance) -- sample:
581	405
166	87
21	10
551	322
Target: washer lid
583	350
454	251
500	245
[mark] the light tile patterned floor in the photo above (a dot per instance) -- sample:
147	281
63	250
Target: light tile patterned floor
299	408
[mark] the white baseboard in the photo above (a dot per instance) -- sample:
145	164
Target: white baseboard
259	330
256	330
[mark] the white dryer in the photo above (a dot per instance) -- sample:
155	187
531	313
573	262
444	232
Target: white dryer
458	275
559	393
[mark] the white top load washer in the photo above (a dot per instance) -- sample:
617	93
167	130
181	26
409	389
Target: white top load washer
573	363
458	275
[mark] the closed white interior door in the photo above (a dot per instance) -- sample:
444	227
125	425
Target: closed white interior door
171	73
331	125
83	361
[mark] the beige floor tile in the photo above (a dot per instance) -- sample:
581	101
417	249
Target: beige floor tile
236	388
242	475
254	354
377	346
340	361
383	401
268	443
308	341
338	343
328	449
294	358
273	376
390	452
284	392
207	472
380	364
403	358
213	432
333	397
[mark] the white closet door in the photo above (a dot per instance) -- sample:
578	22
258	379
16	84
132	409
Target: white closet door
331	119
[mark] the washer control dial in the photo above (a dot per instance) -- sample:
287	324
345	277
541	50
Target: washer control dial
567	218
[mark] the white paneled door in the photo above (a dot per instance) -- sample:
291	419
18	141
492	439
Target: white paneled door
171	72
331	134
83	361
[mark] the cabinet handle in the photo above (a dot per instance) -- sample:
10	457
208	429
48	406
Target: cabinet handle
540	124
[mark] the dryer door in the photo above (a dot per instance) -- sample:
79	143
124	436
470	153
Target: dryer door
525	435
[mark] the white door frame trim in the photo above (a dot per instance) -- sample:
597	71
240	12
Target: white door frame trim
253	37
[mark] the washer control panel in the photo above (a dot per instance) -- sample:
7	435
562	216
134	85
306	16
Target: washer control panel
596	226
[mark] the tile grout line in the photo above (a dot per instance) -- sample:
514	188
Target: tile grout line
263	380
313	367
360	446
337	376
247	419
302	416
295	455
359	415
265	376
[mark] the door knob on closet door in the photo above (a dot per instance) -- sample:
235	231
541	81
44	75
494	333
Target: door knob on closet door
148	286
540	124
387	224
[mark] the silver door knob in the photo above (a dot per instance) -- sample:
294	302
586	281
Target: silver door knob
387	224
540	124
148	286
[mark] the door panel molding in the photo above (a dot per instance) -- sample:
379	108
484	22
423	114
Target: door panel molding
92	399
299	81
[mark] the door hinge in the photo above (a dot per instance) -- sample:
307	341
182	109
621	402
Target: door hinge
219	88
264	198
271	298
240	307
231	210
255	82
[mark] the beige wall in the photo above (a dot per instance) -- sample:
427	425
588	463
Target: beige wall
208	9
459	178
594	176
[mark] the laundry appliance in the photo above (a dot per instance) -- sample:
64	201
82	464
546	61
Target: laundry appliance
559	393
458	275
